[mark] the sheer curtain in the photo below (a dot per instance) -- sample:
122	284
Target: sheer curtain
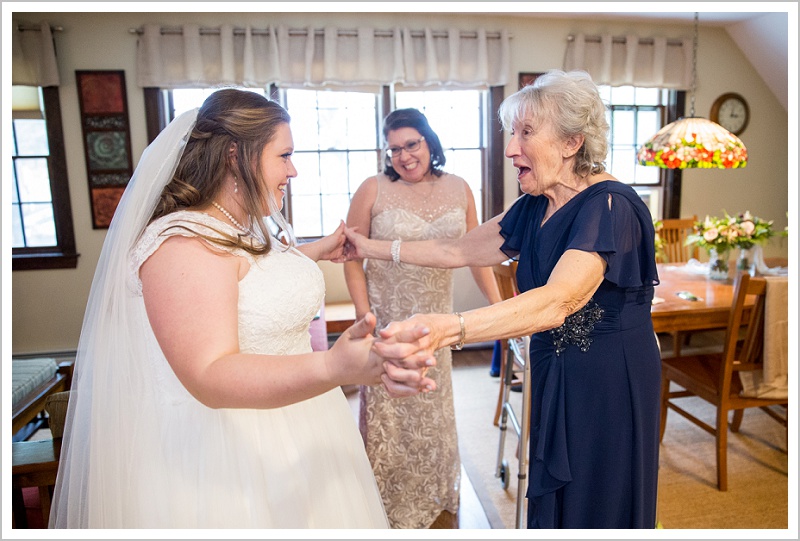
631	60
190	56
33	55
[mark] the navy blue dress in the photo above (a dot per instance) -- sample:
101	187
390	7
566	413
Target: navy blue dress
595	381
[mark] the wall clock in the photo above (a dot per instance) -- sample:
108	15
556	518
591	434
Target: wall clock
731	112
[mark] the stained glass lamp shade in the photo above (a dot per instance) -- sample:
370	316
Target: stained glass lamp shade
693	142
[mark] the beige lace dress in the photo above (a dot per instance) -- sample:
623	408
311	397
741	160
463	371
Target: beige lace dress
412	442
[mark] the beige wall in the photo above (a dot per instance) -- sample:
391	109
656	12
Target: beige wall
48	306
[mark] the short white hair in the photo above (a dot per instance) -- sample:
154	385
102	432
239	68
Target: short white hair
571	103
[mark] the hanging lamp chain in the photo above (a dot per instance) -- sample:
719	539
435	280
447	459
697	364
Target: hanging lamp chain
694	65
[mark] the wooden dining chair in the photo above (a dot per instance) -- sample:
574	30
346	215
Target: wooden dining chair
714	377
506	275
674	232
34	463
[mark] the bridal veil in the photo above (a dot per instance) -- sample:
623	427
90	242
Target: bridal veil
108	405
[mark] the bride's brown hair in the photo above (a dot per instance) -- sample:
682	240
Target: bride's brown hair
233	127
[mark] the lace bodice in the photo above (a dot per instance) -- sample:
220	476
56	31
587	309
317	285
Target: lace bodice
278	297
414	212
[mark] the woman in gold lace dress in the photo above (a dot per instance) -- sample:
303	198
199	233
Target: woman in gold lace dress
411	442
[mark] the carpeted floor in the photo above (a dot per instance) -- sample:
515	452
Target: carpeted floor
758	464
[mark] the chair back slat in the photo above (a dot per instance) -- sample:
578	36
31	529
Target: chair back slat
674	232
744	338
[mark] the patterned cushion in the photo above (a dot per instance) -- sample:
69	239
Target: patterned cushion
56	408
27	374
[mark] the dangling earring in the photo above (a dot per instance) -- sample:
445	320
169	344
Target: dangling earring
235	184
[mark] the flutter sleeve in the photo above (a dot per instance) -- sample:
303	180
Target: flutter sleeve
615	223
515	224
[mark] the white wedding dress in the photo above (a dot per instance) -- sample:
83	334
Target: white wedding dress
184	465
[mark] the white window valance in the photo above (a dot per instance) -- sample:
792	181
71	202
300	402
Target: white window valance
190	56
33	55
631	60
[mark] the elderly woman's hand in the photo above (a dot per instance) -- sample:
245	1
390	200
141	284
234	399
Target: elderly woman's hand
354	248
415	337
354	359
406	359
410	345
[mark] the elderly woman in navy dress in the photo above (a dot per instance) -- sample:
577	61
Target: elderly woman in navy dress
587	271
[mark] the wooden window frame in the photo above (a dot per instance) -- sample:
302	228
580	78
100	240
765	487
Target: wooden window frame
64	255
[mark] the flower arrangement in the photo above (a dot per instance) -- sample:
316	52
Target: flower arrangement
753	230
722	234
715	233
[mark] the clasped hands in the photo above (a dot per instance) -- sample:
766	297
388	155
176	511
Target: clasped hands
398	358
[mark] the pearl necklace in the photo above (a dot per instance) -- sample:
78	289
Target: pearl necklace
233	220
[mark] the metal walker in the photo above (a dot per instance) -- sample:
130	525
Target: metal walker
518	355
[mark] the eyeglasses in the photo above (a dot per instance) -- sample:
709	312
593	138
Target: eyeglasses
411	146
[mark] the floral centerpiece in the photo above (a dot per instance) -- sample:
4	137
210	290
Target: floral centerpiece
753	230
718	236
715	233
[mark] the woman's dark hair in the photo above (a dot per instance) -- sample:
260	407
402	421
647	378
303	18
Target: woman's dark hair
229	120
412	118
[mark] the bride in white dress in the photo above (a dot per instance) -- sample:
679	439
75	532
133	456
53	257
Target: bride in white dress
197	401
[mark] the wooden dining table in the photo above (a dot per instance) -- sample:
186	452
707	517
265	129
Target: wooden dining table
706	307
674	310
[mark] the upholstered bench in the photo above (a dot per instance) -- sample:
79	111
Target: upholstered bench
33	380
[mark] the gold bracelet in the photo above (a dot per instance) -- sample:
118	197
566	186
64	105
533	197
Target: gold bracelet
460	344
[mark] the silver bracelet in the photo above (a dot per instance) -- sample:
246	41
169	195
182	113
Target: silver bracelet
396	250
462	336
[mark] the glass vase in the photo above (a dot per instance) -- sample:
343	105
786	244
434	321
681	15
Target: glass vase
746	261
718	264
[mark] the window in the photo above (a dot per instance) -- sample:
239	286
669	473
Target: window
41	216
634	115
457	117
337	146
338	138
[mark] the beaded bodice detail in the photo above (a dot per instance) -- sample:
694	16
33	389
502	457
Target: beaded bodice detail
429	200
577	327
